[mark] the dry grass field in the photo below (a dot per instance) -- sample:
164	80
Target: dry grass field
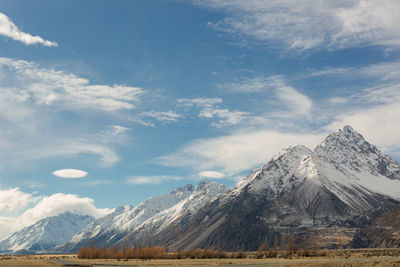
345	258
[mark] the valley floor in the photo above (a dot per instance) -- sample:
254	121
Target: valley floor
343	258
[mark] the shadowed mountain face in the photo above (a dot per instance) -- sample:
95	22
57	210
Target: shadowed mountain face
300	193
383	231
138	223
113	227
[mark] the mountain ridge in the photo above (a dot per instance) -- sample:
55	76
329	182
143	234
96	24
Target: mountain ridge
299	188
45	234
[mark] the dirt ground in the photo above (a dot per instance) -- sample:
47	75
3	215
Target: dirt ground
60	260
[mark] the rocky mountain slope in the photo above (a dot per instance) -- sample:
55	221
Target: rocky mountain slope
300	193
45	234
113	227
179	214
381	232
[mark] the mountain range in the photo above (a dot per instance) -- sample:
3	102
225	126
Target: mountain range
45	234
336	195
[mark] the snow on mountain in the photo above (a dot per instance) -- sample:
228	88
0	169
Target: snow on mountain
45	234
180	213
342	180
349	149
344	164
114	226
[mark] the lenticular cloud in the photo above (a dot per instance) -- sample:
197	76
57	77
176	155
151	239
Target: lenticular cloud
70	173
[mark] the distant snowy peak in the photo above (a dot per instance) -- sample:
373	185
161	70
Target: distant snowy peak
130	217
112	227
180	213
209	187
46	233
348	148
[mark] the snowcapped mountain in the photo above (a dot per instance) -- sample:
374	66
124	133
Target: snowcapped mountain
322	198
45	234
113	227
301	193
180	213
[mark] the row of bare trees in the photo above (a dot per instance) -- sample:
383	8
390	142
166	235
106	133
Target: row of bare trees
280	248
157	252
115	252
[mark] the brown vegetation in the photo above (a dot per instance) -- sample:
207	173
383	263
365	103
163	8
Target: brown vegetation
158	252
117	253
291	252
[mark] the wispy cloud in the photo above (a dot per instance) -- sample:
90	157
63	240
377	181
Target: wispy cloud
211	174
297	103
235	153
284	100
155	179
310	24
250	85
148	118
33	100
9	29
168	116
49	87
210	109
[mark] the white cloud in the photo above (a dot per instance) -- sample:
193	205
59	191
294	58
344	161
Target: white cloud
144	118
383	71
13	200
296	102
9	29
115	130
308	24
211	174
252	85
369	22
200	102
34	100
225	116
49	87
156	179
60	147
235	153
327	71
210	109
58	203
70	173
51	206
167	116
284	101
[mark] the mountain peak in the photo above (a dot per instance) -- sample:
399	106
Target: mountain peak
208	186
293	150
46	233
188	187
203	184
343	137
348	148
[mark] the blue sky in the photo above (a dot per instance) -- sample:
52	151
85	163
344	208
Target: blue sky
106	103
